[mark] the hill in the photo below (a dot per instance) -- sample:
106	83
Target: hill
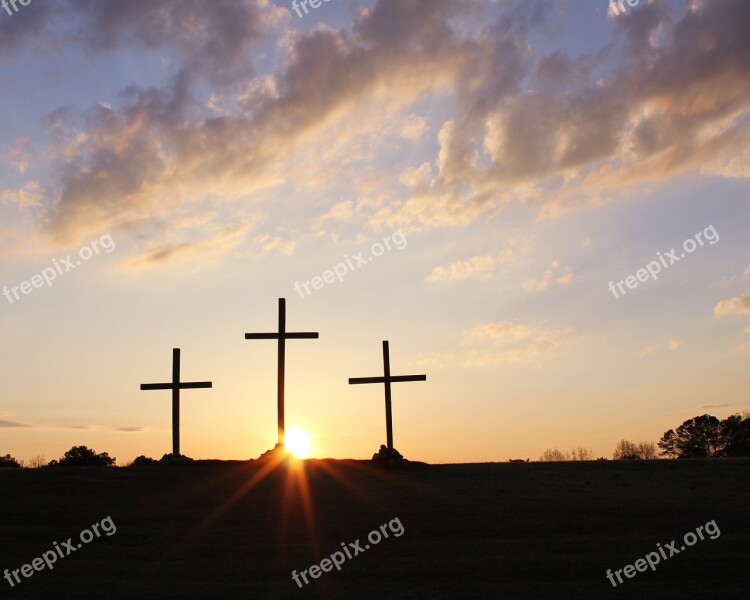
239	529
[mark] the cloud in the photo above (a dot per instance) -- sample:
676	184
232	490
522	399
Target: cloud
477	265
512	254
269	242
10	424
716	405
208	37
343	211
550	131
19	157
739	305
671	345
129	429
502	342
556	274
28	200
218	244
414	127
158	146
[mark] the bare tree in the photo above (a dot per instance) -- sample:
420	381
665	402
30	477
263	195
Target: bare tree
626	450
37	461
581	453
553	455
647	450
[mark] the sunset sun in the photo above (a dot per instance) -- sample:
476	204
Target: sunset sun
298	443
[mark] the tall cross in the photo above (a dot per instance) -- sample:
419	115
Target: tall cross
282	336
176	385
387	379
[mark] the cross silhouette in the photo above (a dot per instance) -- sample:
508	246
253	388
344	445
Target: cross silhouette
387	379
282	336
176	385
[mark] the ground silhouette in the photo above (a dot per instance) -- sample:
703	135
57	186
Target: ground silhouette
214	529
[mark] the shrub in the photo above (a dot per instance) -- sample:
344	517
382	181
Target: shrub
81	456
8	462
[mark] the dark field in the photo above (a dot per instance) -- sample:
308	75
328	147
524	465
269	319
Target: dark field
538	530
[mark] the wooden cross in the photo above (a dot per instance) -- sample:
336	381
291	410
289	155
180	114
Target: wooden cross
282	336
176	385
387	379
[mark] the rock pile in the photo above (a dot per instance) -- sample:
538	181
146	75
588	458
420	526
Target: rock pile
388	456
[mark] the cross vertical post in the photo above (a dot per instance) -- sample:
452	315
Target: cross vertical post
176	401
176	385
282	336
388	409
281	370
387	379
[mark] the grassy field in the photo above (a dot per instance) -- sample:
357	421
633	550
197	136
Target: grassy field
234	530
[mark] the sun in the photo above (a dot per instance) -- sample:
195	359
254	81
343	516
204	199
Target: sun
298	443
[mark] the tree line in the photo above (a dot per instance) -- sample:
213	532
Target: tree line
700	437
77	456
708	437
624	450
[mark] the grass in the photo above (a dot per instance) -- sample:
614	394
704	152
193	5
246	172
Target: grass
527	530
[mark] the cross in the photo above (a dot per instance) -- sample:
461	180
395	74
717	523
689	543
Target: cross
387	379
176	385
282	336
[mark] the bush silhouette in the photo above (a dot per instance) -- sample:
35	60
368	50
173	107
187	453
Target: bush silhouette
8	462
81	456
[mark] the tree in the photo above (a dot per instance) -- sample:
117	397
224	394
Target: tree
8	462
626	450
646	450
699	437
734	432
81	456
553	455
580	453
37	461
668	444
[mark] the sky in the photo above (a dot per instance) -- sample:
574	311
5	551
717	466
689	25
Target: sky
542	205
